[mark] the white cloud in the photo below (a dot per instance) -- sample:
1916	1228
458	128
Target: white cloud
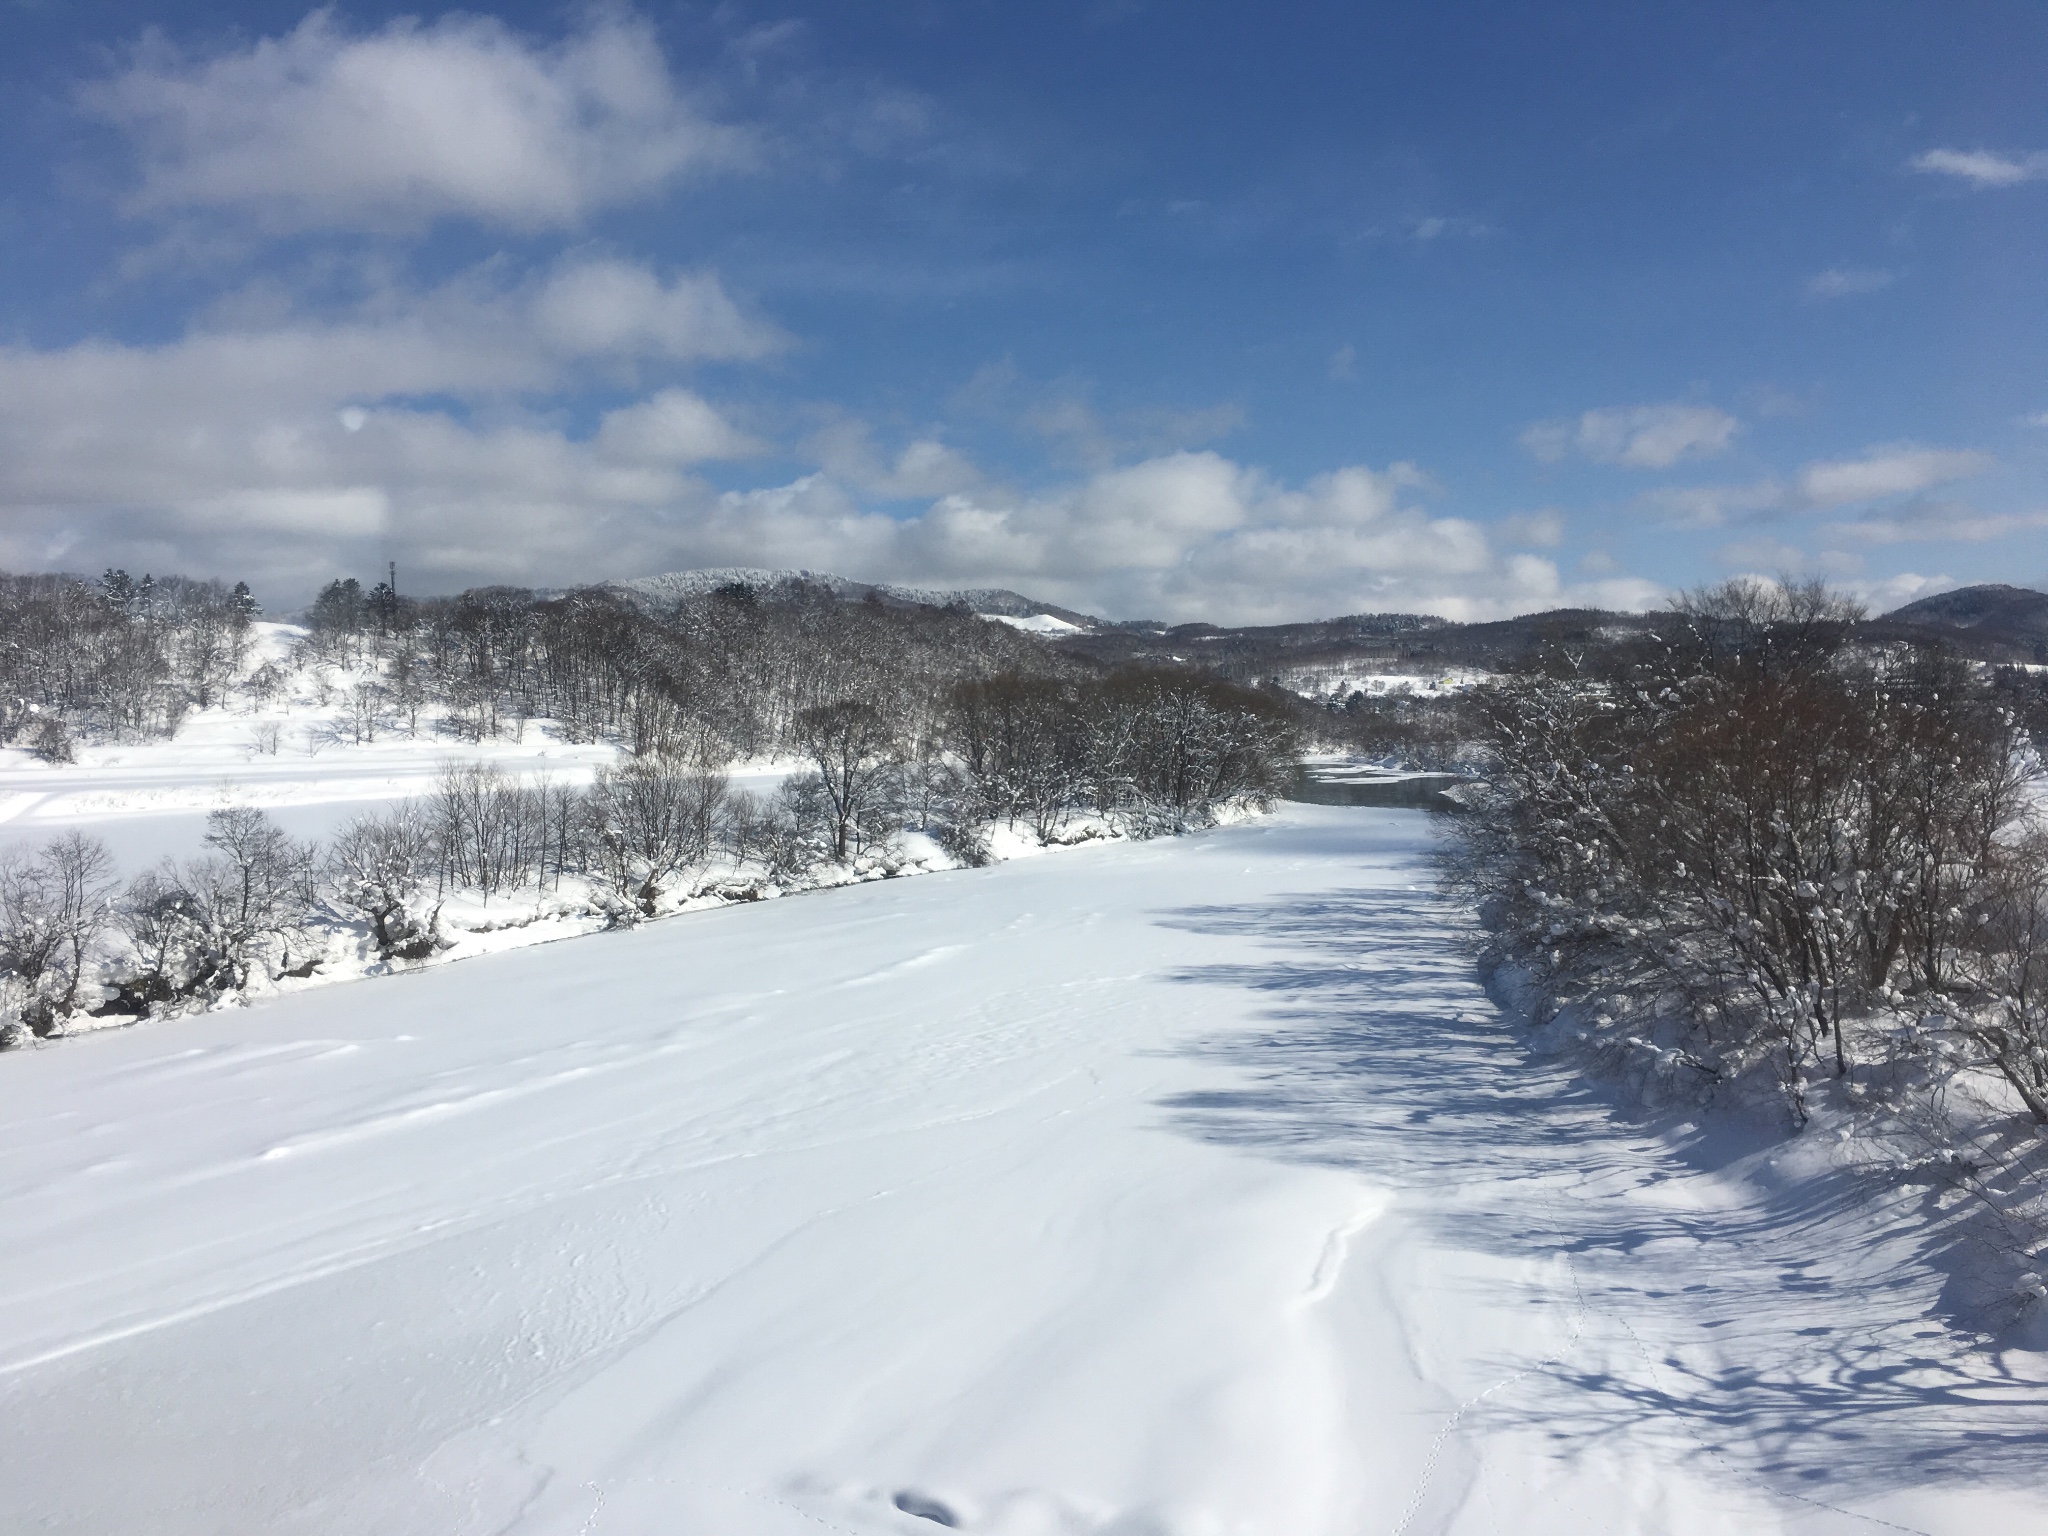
426	427
673	427
1940	523
1640	436
925	467
1761	556
1148	515
1895	591
1773	403
291	456
1896	470
1094	439
474	338
1881	473
1769	558
323	128
275	448
1423	230
1437	227
1081	435
1843	282
597	308
1180	536
1983	168
1714	506
1540	530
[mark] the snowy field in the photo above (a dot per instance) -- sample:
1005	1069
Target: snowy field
149	802
1189	1188
293	756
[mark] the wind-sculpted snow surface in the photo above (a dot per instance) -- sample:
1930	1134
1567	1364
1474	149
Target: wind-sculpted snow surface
1177	1189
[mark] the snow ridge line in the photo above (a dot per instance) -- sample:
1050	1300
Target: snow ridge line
1336	1251
354	1259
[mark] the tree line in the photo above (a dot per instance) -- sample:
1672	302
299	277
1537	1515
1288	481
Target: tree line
724	673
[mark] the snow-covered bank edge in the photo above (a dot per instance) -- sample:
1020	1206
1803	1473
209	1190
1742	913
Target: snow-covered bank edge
1925	1171
343	948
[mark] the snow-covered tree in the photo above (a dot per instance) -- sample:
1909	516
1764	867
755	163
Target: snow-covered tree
1778	829
381	868
54	905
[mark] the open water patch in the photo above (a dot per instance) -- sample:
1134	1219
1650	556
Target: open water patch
1315	784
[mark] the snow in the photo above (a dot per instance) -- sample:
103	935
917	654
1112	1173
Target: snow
1183	1188
1035	624
148	800
1349	768
1340	682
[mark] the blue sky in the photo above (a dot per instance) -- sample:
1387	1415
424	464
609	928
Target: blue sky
1200	310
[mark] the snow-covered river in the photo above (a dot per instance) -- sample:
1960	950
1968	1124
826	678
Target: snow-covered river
1182	1189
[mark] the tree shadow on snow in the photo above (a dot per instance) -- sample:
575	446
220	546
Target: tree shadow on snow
1786	1334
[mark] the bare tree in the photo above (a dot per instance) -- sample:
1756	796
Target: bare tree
363	710
480	818
1783	833
160	919
856	752
650	820
252	889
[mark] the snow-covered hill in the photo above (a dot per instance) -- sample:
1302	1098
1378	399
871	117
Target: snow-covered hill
1185	1188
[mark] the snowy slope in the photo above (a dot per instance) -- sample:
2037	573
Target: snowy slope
1181	1189
1036	624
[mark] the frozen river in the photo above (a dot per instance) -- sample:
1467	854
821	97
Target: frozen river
1178	1189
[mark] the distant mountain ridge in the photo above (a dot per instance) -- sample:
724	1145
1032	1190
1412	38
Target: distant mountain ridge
1994	604
996	602
1990	622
